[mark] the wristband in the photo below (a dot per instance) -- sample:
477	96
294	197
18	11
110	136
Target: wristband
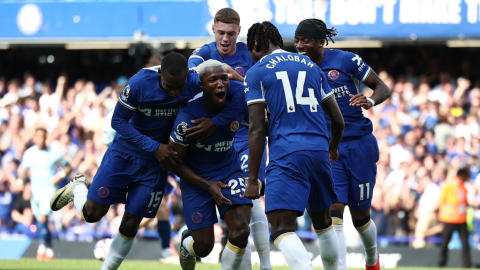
371	101
62	174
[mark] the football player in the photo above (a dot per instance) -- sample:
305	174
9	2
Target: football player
355	170
296	94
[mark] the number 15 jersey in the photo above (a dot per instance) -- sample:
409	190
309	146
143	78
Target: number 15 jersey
293	88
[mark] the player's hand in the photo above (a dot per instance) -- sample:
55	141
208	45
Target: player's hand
197	68
167	157
360	100
204	128
232	74
253	190
215	189
333	155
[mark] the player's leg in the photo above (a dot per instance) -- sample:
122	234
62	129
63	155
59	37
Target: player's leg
258	223
238	219
342	185
319	202
286	240
200	215
146	183
122	243
163	228
107	188
362	171
286	196
44	212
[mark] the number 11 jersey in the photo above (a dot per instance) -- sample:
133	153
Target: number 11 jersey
293	88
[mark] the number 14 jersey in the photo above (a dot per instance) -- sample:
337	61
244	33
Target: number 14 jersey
293	88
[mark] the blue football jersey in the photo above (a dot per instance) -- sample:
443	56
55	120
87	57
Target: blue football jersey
214	158
240	61
154	110
293	88
345	71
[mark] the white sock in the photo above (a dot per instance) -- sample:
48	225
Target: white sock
294	251
247	259
80	192
120	247
342	246
368	234
328	243
260	234
41	249
232	257
188	245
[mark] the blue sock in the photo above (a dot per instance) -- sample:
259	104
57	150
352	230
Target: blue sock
45	236
163	227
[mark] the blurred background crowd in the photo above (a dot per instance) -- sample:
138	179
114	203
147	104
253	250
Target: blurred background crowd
426	131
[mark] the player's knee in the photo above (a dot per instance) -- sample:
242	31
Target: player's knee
240	235
337	217
91	215
203	248
361	224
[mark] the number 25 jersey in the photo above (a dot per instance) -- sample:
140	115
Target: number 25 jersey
293	88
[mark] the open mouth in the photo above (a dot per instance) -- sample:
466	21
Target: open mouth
303	53
220	96
225	46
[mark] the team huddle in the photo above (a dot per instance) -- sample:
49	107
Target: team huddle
207	120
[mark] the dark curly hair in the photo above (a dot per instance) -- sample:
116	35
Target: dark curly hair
263	33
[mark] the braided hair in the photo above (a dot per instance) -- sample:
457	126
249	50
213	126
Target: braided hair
263	34
322	26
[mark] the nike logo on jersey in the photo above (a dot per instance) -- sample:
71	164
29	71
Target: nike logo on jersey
362	203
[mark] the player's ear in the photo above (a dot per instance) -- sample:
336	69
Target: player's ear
239	29
321	42
200	84
213	28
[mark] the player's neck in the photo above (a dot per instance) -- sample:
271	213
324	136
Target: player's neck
272	48
320	57
209	106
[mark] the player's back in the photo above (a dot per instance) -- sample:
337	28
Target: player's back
155	110
293	88
345	71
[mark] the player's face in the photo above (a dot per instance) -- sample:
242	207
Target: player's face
308	46
215	85
256	56
226	37
171	84
40	138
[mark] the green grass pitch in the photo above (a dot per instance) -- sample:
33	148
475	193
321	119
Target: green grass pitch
27	264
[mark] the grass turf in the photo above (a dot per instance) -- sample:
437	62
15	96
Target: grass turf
27	264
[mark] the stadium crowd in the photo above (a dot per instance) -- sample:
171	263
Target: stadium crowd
426	131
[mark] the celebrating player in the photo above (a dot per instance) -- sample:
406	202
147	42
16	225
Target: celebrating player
143	119
216	160
355	170
226	49
299	172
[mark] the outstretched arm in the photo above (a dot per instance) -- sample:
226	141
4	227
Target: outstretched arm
186	174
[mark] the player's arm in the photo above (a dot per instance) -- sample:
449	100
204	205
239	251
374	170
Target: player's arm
122	114
206	126
186	174
365	74
257	133
330	107
198	56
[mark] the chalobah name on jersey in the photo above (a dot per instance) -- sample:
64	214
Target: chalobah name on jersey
295	58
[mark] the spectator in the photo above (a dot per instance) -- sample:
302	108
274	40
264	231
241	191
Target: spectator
22	212
426	213
453	214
